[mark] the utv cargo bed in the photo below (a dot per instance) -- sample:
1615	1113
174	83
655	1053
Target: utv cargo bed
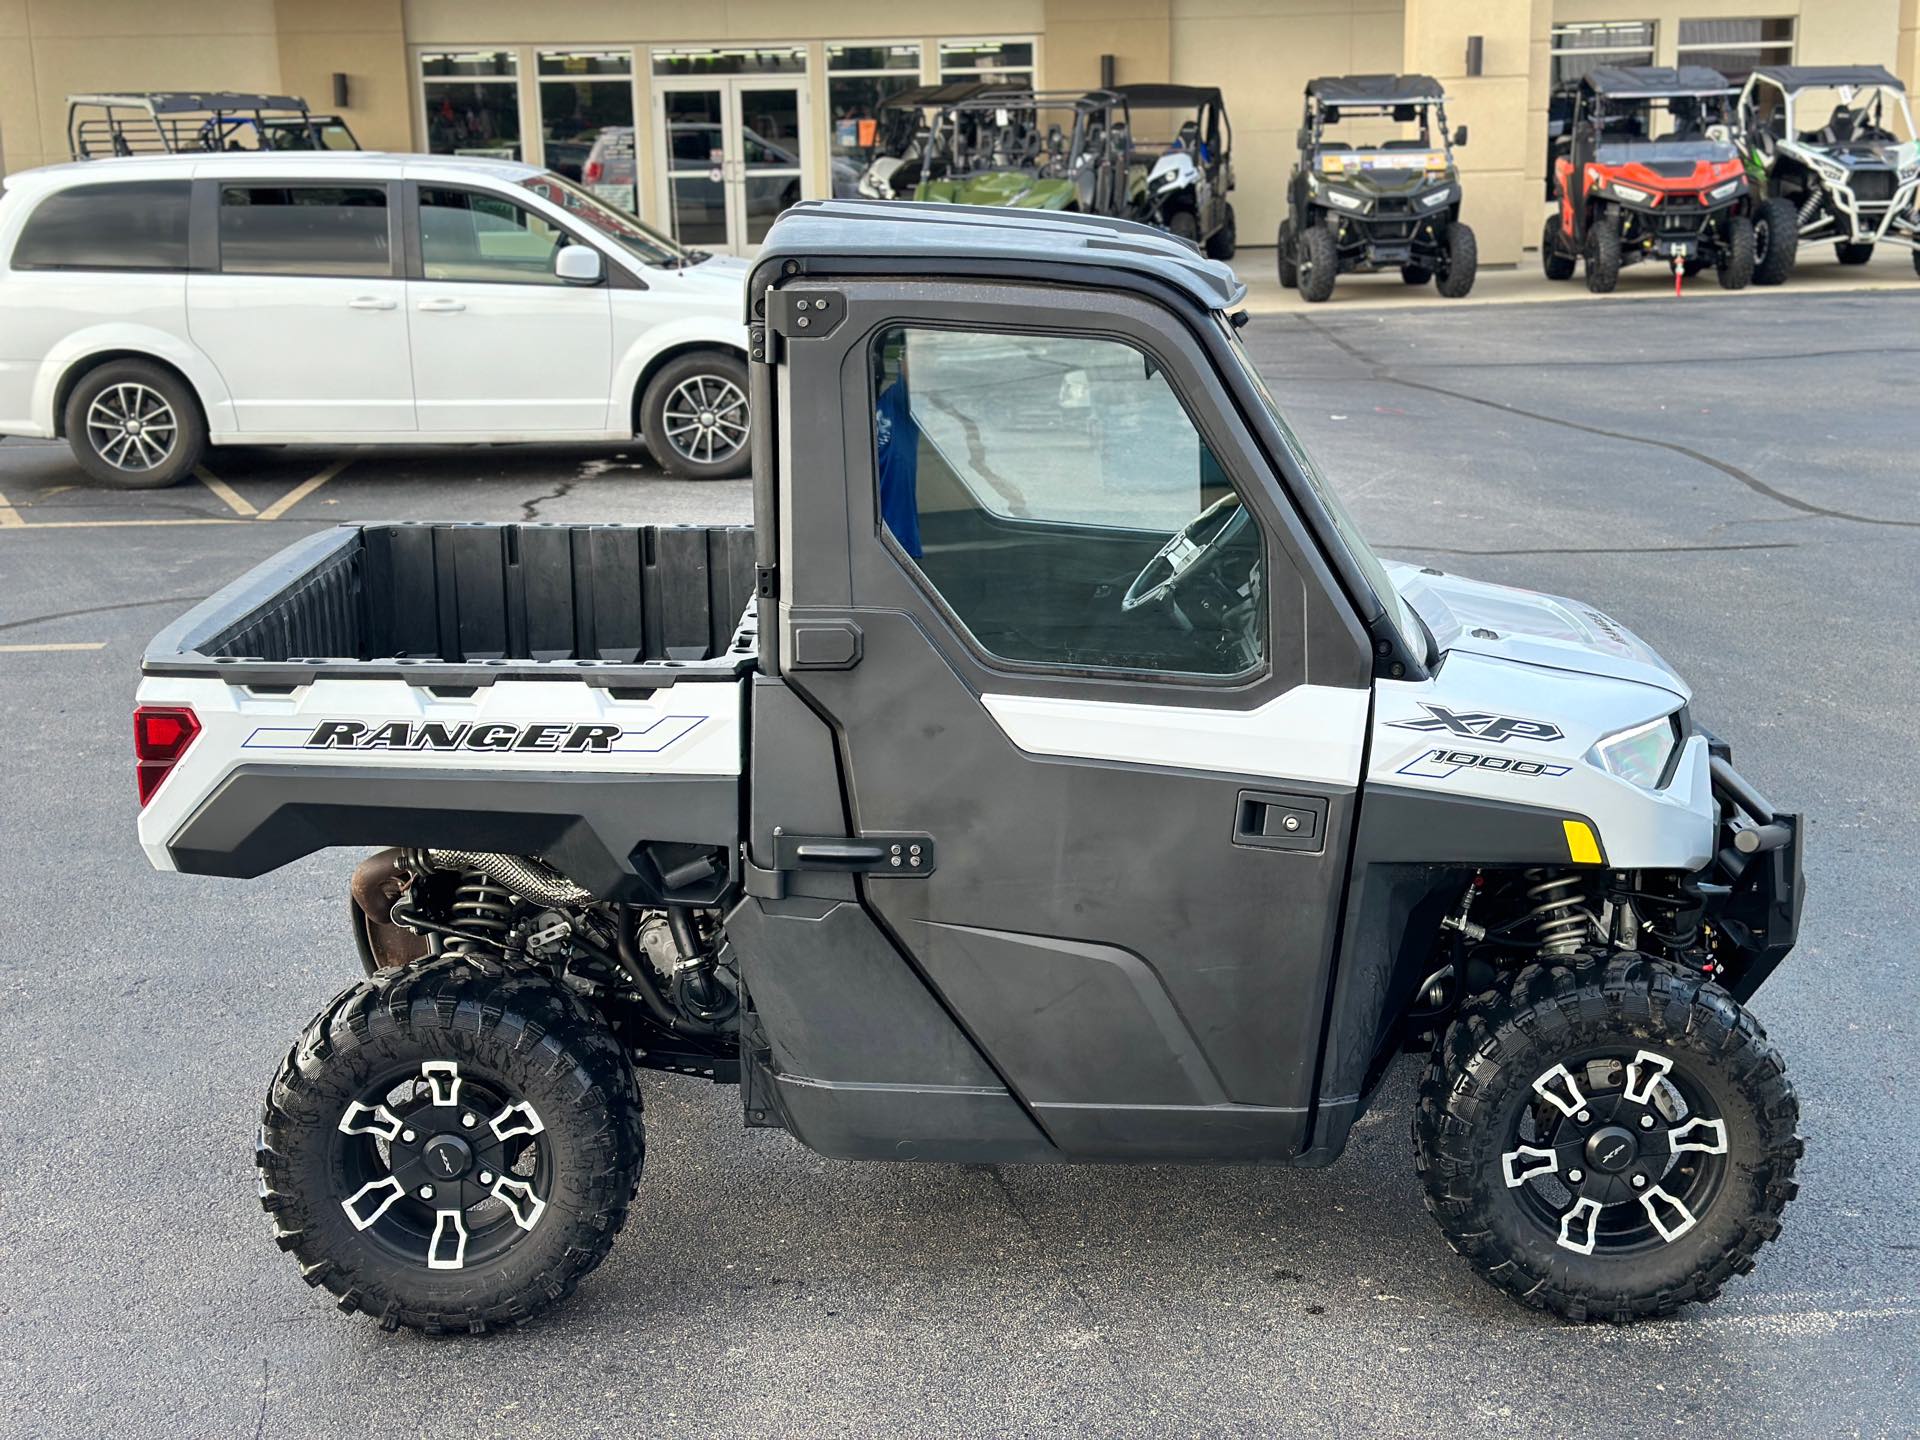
468	604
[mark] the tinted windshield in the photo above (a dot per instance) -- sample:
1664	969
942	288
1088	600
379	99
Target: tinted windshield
1410	628
647	245
1618	152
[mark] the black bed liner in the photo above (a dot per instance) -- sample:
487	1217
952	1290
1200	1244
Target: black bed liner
471	603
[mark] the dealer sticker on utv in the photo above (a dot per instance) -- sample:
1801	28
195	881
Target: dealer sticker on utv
1445	764
1479	725
545	737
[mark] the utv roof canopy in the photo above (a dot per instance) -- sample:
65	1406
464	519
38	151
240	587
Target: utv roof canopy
951	93
1338	90
1654	82
190	102
1168	97
918	236
1809	77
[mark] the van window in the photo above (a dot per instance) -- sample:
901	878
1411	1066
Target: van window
468	235
304	230
1034	481
136	226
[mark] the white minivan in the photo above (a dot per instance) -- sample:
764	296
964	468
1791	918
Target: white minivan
152	306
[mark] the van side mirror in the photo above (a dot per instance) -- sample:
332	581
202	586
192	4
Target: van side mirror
578	265
1459	136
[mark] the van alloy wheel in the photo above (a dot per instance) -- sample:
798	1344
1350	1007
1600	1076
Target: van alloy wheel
706	419
132	427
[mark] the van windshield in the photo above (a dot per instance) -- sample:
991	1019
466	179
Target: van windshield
629	231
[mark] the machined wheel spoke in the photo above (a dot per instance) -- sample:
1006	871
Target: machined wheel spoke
1579	1227
517	1195
1712	1139
1646	1071
447	1250
443	1079
370	1201
1559	1089
1528	1162
370	1120
517	1119
1657	1199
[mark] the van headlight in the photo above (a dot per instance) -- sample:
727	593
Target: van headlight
1640	755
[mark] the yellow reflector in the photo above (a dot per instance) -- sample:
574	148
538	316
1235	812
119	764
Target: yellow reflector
1436	160
1332	164
1581	844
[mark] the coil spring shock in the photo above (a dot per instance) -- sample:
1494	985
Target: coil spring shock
1558	912
1810	207
482	904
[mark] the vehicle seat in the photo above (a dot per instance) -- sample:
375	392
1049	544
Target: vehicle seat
1335	145
1403	144
1189	136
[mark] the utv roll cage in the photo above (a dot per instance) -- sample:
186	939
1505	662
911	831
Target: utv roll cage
172	122
902	116
1210	127
1000	130
1622	103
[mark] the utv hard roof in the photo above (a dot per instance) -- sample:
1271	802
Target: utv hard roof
995	97
1168	97
1654	82
951	93
184	102
1807	77
919	236
1337	90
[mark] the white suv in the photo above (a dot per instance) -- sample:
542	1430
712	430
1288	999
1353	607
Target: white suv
152	306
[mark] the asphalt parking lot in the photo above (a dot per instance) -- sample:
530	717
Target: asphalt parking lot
1735	481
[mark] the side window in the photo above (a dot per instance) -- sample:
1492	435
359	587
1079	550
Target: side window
1055	495
468	235
137	226
304	230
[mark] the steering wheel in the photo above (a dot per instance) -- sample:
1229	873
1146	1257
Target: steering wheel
1192	549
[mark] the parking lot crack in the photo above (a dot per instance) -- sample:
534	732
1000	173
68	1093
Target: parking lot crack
1090	1336
530	509
1384	375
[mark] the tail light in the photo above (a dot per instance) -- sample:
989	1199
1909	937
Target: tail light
161	735
591	174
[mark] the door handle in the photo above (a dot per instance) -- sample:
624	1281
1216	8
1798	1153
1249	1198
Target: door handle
1280	822
371	302
442	307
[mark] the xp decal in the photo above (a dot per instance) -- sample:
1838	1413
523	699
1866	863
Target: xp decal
561	737
1480	725
1445	764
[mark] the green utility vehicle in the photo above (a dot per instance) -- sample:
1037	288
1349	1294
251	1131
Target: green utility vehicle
1033	150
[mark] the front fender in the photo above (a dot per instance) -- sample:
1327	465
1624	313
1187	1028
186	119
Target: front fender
688	332
131	338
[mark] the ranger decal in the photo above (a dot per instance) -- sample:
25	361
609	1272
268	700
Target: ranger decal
540	736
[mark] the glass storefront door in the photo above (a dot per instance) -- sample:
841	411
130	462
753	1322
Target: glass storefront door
732	154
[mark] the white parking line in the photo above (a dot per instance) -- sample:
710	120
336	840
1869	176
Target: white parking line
9	516
301	491
235	501
45	649
113	524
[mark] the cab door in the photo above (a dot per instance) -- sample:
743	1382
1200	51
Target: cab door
502	346
1108	824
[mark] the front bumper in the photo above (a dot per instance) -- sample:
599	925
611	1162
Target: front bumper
1753	891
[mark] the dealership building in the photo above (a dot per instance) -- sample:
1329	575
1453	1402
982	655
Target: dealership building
707	118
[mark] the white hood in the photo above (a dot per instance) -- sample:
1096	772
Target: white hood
1533	629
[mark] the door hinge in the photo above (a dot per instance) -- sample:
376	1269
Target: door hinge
805	315
766	582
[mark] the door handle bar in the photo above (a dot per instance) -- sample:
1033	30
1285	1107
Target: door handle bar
371	302
442	307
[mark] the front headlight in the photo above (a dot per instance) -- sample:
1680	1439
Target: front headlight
1627	192
1829	170
1640	755
1345	202
1437	198
1721	192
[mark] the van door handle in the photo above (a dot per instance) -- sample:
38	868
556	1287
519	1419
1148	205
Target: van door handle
442	307
370	302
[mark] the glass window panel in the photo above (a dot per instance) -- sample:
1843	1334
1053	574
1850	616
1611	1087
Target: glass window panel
1031	478
1604	35
694	137
586	129
1736	32
770	129
304	230
138	226
473	118
874	57
777	60
699	210
586	62
470	62
470	235
855	103
986	59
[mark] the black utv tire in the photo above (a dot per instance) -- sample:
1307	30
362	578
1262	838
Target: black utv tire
1183	224
509	1030
170	442
1603	255
1461	263
1776	241
1415	274
1224	241
1289	268
1319	263
1736	259
717	370
1483	1078
1851	254
1557	264
1916	262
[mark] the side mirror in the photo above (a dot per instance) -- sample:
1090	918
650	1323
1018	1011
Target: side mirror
1459	136
1304	140
578	265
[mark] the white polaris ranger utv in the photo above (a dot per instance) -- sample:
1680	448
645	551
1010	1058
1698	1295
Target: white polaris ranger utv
1078	787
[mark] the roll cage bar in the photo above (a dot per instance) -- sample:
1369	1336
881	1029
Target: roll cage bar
967	135
172	122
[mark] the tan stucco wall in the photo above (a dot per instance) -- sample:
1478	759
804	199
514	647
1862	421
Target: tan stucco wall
365	40
1907	57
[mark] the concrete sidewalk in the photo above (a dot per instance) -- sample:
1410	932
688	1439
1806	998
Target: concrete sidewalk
1817	272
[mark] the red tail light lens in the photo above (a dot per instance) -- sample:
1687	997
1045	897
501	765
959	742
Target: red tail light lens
161	735
591	174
